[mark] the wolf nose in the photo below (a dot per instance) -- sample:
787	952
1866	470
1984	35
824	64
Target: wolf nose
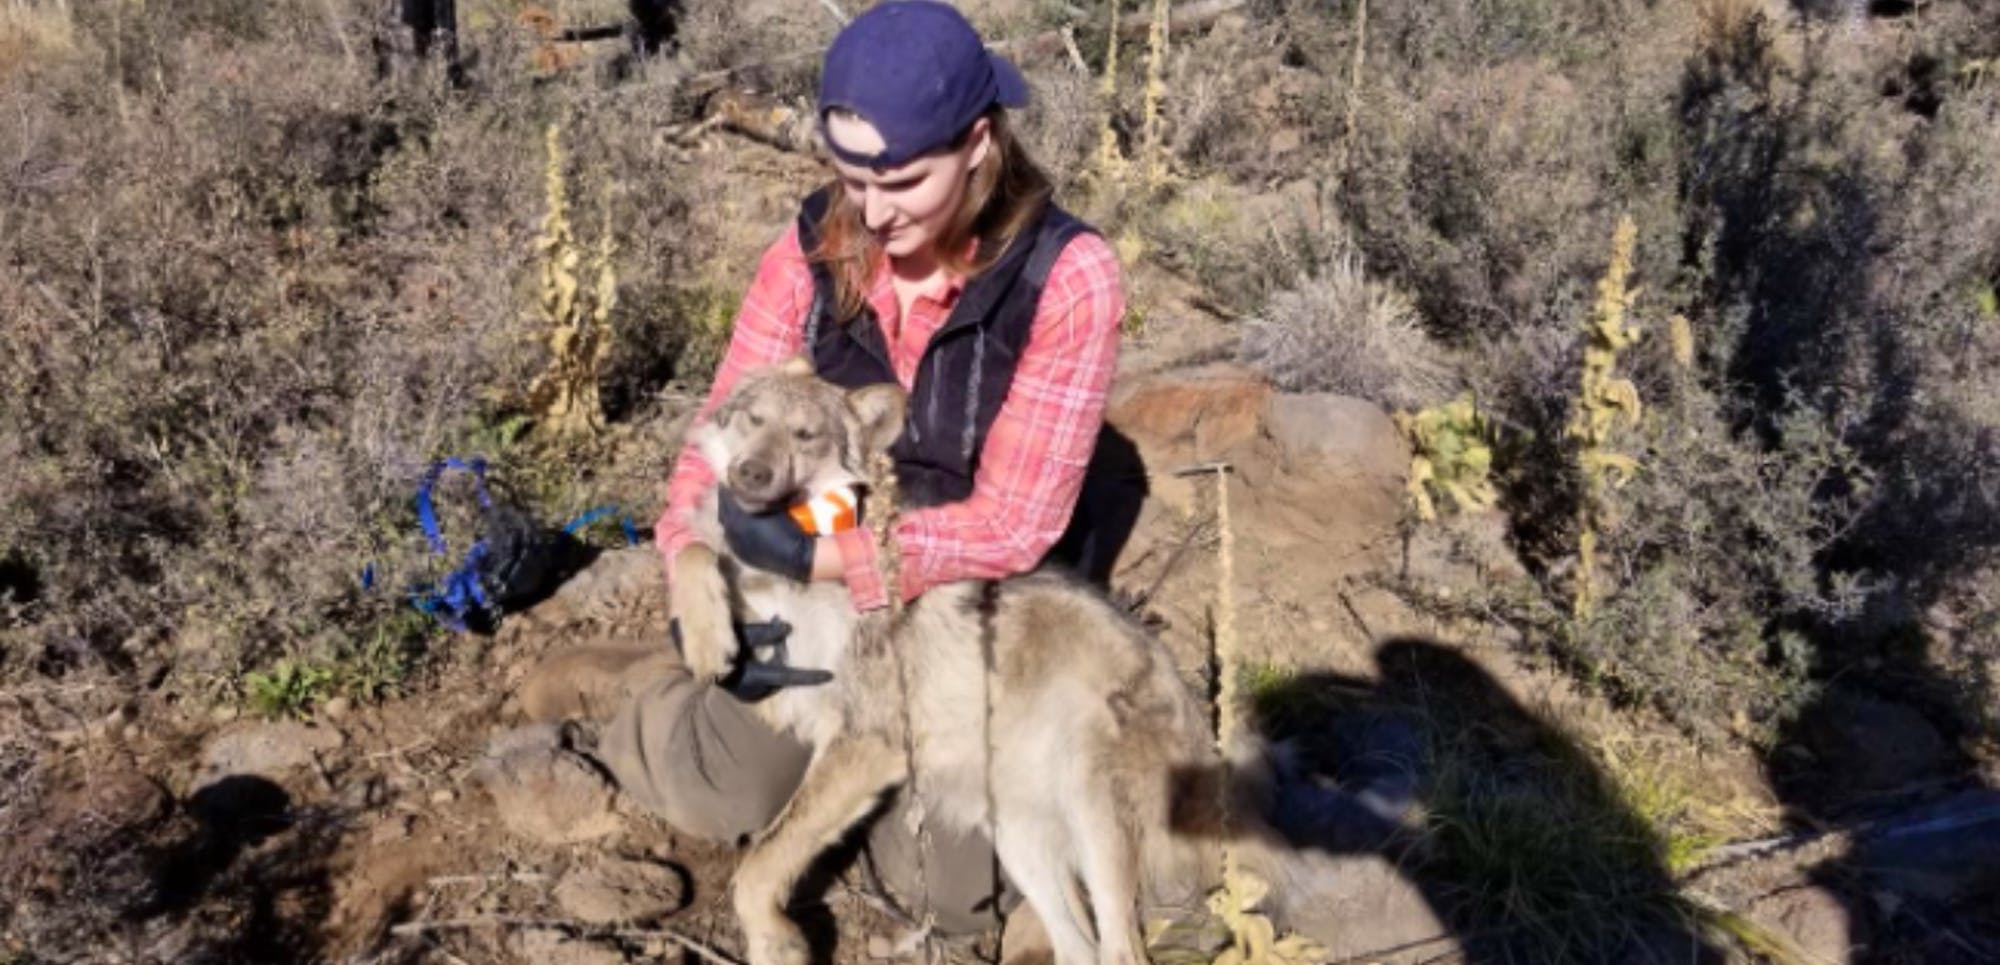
751	475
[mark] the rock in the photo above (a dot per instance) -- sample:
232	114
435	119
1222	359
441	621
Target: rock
619	586
270	749
1814	918
543	792
543	947
393	830
620	891
1877	745
1948	851
1350	435
336	708
1357	905
591	682
1195	414
126	798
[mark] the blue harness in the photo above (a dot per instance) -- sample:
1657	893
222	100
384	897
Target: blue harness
462	594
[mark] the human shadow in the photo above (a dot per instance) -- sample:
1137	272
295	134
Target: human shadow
1511	833
1107	510
243	872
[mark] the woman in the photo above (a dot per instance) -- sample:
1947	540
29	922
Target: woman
935	260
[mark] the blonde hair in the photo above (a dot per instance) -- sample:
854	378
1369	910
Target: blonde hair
1004	196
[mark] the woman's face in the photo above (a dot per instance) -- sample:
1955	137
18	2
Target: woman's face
906	207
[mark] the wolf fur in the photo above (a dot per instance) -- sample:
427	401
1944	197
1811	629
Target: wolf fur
1036	709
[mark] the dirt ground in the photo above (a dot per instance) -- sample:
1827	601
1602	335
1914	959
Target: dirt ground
363	835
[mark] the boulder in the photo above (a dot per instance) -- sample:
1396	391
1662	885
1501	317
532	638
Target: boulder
1190	415
593	681
1815	919
267	749
618	891
1362	908
544	792
544	947
1346	435
1876	744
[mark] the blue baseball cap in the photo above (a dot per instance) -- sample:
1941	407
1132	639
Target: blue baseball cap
918	73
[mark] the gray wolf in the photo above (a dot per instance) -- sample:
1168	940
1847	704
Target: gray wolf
1030	707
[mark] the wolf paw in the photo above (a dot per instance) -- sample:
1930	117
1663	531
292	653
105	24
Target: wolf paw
700	610
777	943
706	650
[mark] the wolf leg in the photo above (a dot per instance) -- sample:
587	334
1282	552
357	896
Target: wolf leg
842	784
1037	862
699	600
1110	859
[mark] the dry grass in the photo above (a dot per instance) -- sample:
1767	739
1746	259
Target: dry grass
303	283
1338	330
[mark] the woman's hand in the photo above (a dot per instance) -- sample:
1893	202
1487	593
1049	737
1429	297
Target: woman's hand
768	541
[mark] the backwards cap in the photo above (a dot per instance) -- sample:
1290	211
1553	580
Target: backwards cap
917	72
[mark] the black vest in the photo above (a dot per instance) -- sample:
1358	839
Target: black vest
966	369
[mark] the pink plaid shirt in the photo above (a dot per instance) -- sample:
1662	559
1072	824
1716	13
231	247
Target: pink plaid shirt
1032	466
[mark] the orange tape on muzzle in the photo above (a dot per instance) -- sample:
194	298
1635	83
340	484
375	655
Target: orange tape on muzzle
830	512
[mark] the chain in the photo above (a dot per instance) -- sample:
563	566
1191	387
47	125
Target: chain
884	508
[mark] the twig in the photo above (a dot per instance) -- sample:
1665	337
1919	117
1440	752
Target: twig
1355	613
1205	468
1075	55
448	954
521	877
839	15
1882	829
423	928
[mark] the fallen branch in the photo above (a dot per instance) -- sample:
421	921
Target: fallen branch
1189	16
1185	17
418	929
764	119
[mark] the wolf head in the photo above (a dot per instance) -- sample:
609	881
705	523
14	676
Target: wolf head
784	432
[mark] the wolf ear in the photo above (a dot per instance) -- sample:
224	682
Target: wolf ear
879	410
797	366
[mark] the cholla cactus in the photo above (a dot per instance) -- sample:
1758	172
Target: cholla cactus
1604	402
564	397
1450	457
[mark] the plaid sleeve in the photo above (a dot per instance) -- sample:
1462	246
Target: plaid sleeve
767	330
1035	454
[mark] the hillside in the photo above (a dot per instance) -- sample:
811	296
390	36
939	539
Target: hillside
1607	388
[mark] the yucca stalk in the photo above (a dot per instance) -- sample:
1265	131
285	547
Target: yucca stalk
1151	140
1604	402
578	318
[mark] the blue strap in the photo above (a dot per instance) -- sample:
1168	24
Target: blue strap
459	593
427	512
596	513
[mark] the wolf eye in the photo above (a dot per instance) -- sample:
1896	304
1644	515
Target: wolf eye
756	421
805	435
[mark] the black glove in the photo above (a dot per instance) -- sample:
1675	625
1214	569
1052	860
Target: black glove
767	541
755	676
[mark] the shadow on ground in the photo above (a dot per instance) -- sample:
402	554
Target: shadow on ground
1509	831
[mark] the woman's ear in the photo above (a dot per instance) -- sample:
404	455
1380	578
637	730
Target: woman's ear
982	142
878	409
